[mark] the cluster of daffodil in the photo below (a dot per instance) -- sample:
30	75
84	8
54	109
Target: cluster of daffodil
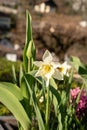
48	68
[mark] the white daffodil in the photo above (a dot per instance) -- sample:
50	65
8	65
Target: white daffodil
64	68
47	68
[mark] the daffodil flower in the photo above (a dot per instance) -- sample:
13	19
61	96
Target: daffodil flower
64	68
47	68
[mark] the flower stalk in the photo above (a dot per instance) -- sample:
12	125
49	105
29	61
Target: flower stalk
47	109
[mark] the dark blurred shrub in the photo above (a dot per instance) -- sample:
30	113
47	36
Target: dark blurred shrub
6	73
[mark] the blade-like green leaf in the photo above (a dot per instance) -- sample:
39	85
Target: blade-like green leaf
37	111
29	50
77	63
30	53
56	98
38	79
28	39
84	76
14	89
28	27
14	74
20	75
81	68
55	93
60	122
23	88
53	83
56	106
12	103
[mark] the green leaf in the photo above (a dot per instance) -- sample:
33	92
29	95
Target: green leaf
85	79
63	98
13	88
53	83
28	39
77	63
55	93
13	104
28	27
31	51
39	79
20	75
59	122
14	74
56	105
23	88
30	80
81	68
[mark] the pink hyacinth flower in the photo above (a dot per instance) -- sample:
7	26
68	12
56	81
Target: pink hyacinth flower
74	92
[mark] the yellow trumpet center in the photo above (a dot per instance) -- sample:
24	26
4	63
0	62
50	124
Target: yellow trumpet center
45	69
61	69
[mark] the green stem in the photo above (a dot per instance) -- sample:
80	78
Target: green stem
29	64
44	90
78	97
47	109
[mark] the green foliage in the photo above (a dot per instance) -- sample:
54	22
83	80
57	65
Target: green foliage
29	50
6	69
43	100
81	69
11	100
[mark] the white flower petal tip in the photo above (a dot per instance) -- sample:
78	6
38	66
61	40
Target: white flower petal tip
47	57
37	63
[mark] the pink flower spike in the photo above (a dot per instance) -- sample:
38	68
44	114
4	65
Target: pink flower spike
74	92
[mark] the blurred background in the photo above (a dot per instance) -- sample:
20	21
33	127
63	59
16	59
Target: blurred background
58	25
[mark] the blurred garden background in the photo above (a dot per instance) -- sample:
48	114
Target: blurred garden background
58	25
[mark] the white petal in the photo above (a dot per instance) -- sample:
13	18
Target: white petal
47	57
57	75
38	63
66	68
66	65
56	65
38	73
